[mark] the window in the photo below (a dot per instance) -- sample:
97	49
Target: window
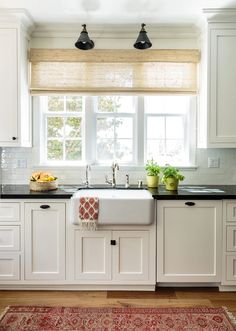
62	119
115	116
129	129
170	125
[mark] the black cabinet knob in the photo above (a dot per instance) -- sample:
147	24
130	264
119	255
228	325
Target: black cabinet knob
190	203
14	138
113	242
44	206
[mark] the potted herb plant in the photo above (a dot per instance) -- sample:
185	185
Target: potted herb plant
153	171
171	178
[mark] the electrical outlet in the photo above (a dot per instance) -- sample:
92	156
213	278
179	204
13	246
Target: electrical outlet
213	162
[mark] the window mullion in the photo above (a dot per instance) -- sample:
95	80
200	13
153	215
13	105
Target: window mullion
140	131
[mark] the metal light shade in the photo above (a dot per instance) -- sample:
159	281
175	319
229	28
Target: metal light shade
84	42
142	41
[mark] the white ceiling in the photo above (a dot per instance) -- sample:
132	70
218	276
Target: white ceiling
116	11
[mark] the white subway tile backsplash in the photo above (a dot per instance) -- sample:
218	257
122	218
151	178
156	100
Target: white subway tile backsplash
17	166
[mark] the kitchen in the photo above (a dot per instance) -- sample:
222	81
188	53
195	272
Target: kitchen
55	121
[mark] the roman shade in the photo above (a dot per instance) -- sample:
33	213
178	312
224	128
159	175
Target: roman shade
113	71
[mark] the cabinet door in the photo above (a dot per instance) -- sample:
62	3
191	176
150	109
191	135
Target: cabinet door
222	99
9	266
8	86
130	255
189	241
44	241
92	255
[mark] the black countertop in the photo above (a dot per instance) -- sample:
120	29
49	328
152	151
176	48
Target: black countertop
200	192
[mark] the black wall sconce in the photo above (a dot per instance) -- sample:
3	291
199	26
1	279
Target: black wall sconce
142	41
84	42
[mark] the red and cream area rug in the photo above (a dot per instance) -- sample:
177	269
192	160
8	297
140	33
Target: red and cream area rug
116	319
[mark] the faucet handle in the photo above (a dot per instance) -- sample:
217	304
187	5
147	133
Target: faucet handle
127	181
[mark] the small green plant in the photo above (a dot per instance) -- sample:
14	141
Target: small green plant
152	168
171	172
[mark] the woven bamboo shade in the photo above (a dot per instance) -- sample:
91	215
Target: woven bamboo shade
112	71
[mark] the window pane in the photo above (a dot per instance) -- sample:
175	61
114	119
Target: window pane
124	127
55	150
155	127
124	150
174	127
74	104
73	150
119	104
175	150
55	104
73	127
105	127
155	149
105	149
167	104
54	127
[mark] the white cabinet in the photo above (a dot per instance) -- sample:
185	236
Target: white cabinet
221	84
44	241
92	255
229	243
114	257
189	241
15	124
130	255
10	241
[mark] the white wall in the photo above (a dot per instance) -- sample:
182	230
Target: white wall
17	163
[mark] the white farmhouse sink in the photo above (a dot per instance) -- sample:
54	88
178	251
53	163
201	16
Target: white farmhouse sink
117	206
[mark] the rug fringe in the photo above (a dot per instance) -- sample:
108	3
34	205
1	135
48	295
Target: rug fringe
4	312
231	317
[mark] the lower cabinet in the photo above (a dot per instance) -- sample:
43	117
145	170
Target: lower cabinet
229	243
44	241
114	256
189	241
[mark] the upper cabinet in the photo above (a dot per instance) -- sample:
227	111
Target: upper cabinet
15	112
217	102
221	84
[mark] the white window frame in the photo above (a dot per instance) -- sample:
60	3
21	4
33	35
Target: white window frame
89	120
189	132
44	114
131	115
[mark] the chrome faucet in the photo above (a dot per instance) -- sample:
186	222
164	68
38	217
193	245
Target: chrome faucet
87	169
112	182
127	181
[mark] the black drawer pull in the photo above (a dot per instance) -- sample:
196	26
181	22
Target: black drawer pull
190	203
14	138
113	242
44	206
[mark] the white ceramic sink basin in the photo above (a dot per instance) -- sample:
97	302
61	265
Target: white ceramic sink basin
122	206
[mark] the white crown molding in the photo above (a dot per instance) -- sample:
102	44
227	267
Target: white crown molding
117	31
223	15
17	15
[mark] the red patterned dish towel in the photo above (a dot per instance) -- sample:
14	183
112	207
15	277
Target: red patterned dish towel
88	213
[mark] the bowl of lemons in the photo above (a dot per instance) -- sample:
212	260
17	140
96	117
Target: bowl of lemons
43	181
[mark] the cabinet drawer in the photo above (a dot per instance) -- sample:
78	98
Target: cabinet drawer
9	212
9	238
9	266
231	238
231	268
230	215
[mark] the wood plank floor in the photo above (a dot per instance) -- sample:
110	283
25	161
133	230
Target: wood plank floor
163	297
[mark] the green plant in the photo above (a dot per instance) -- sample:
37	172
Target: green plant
171	172
152	168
